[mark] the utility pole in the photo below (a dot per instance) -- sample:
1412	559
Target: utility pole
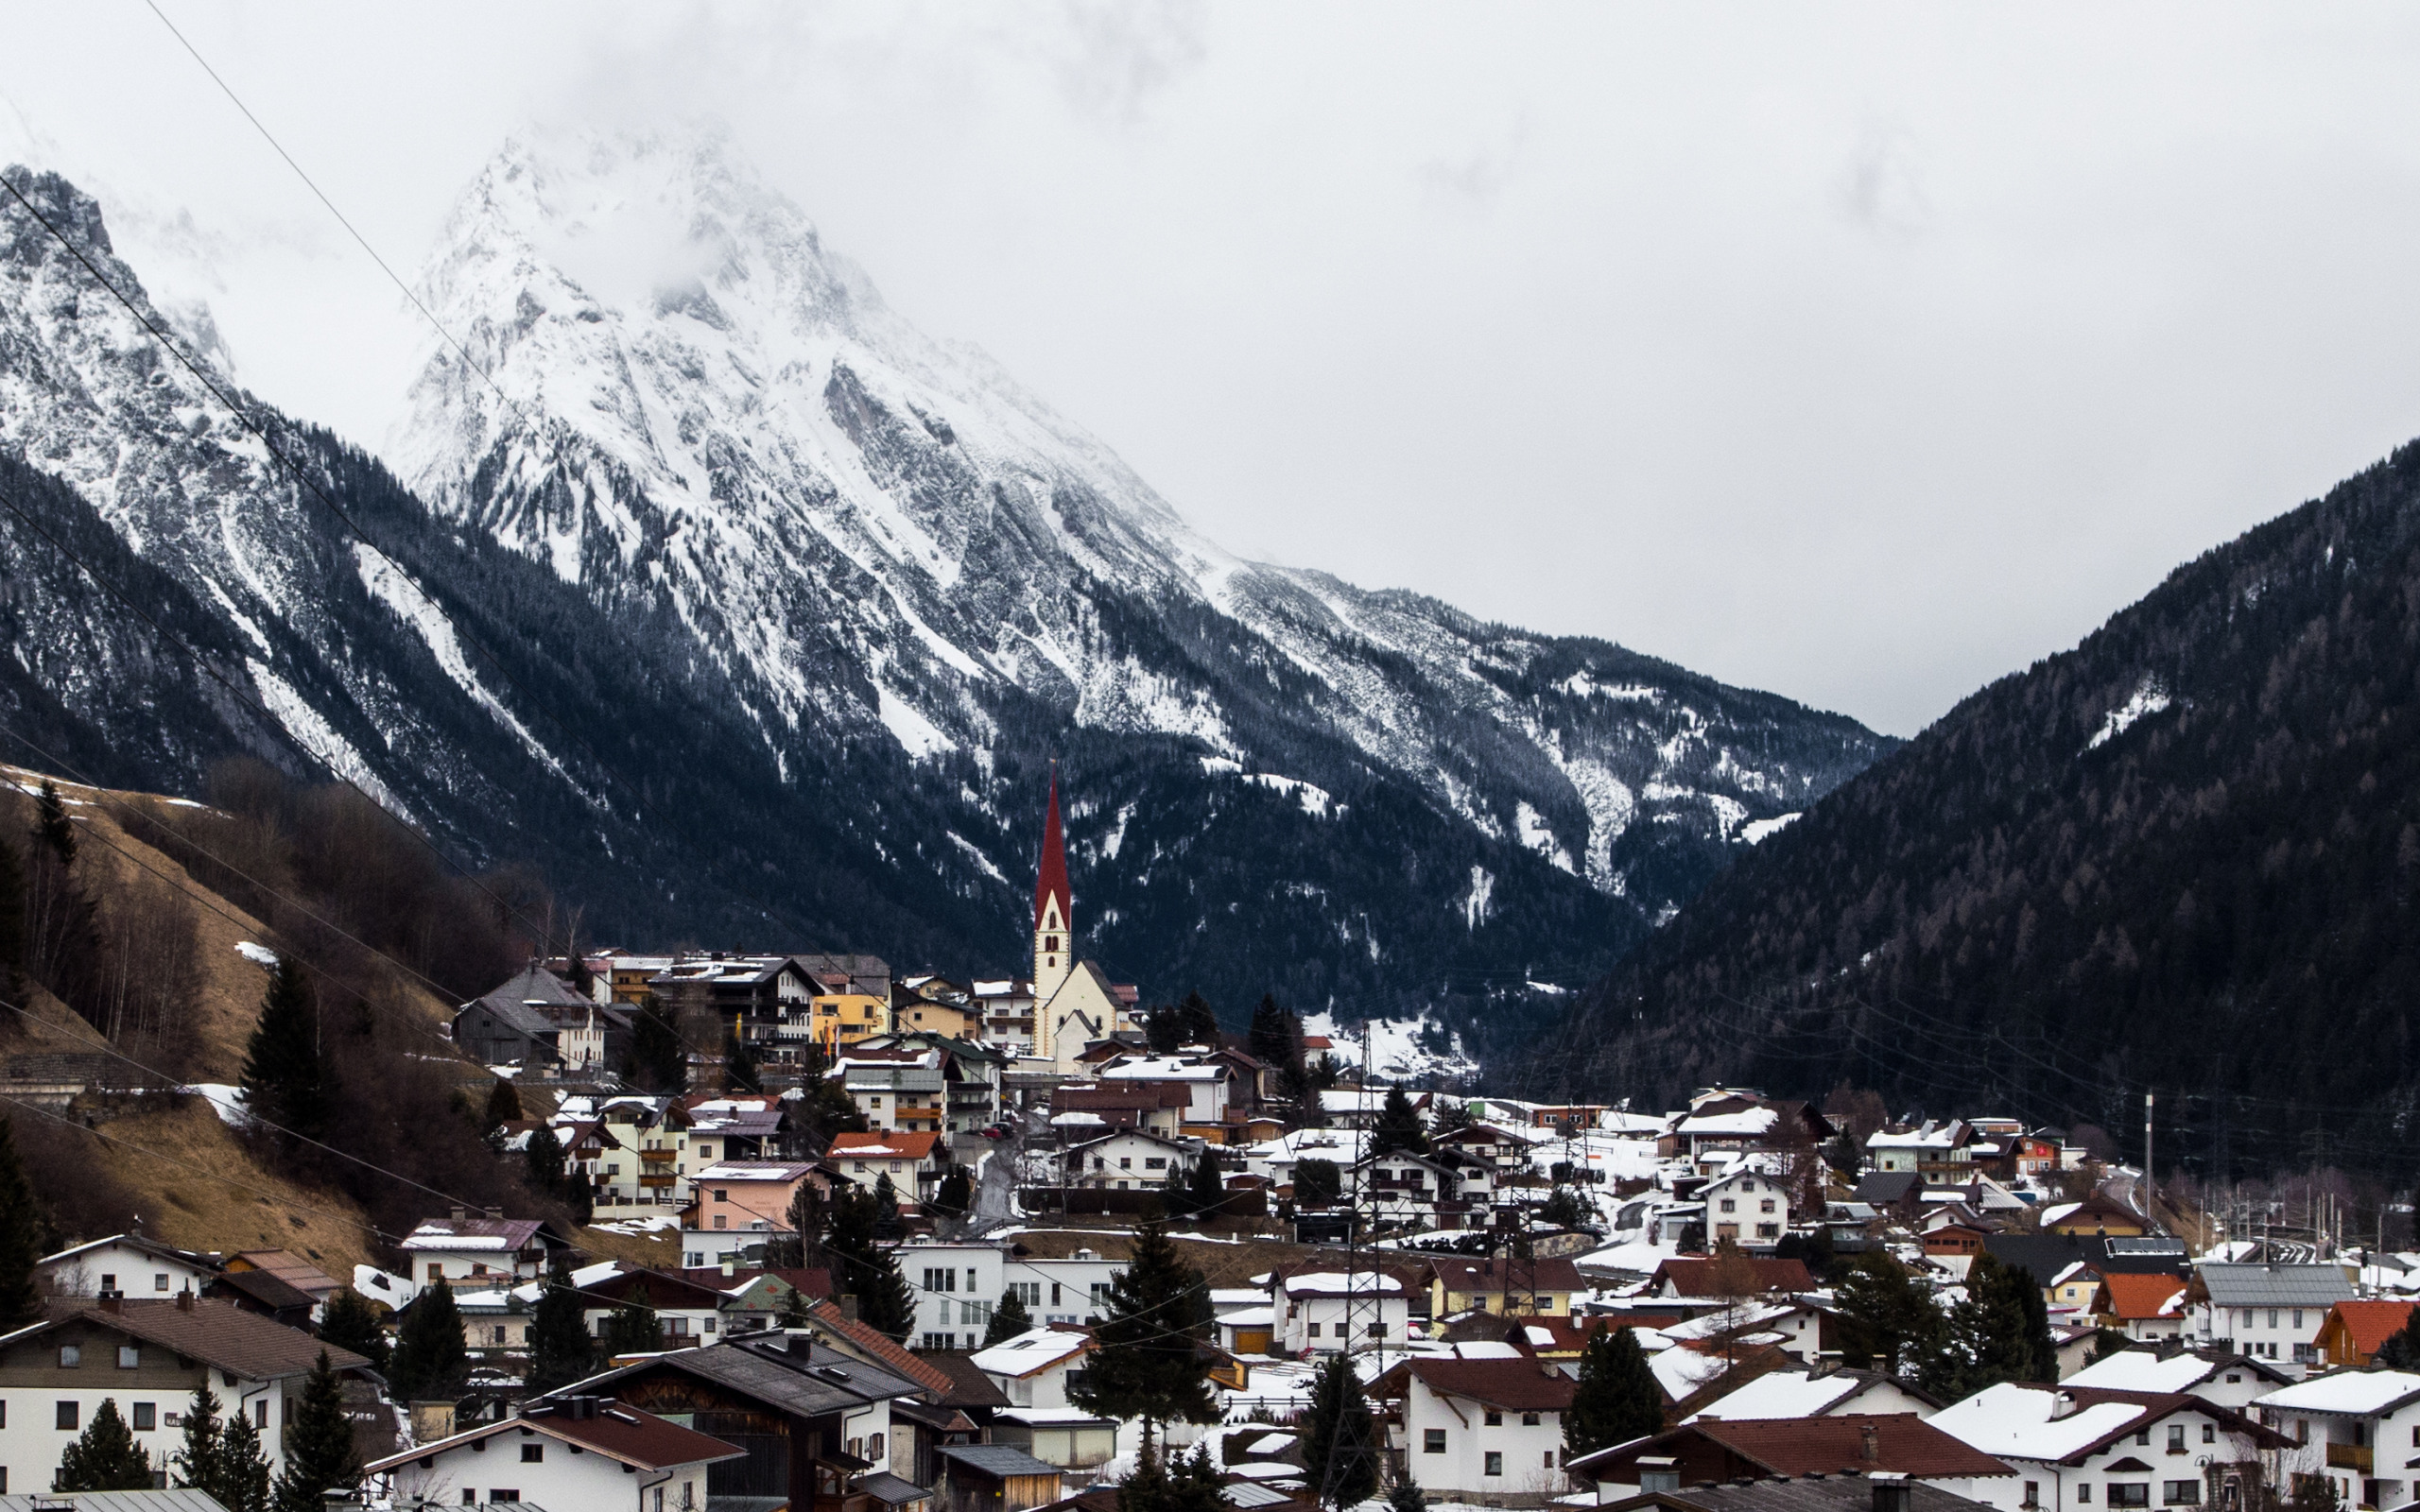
2148	1193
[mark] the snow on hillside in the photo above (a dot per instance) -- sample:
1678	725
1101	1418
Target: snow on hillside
1398	1049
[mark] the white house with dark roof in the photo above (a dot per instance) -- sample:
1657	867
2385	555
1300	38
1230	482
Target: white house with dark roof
2272	1312
1326	1311
2212	1375
2119	1450
1127	1159
481	1250
2361	1429
129	1264
570	1452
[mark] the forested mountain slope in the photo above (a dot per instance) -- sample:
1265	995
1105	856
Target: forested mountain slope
2183	856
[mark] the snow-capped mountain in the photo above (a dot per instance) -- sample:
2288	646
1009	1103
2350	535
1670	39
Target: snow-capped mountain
792	603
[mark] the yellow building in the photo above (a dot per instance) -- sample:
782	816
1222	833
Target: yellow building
842	1019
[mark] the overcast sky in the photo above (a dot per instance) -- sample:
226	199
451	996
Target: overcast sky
1861	354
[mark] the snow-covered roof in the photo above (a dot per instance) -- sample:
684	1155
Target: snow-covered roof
1164	1068
2014	1421
1747	1121
1681	1370
2357	1392
2143	1370
1932	1136
754	1171
1782	1394
1034	1349
1340	1283
1250	1317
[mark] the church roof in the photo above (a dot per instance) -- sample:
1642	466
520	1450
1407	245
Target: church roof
1052	881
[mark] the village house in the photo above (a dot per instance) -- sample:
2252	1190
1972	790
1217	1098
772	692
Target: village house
2144	1308
149	1356
1032	1370
741	1206
899	1098
487	1250
2356	1428
126	1264
957	1289
567	1451
689	1306
914	1162
1128	1159
1748	1206
1320	1311
1810	1393
2083	1447
1472	1429
537	1021
1898	1445
2353	1332
1400	1190
2272	1312
1932	1150
1504	1286
2217	1376
2096	1213
1696	1282
1155	1108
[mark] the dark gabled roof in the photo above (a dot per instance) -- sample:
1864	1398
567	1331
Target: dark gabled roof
1517	1385
219	1335
1551	1273
665	1288
618	1433
807	1385
2045	1256
1694	1274
969	1387
998	1461
885	1350
1884	1188
1830	1493
2157	1405
1902	1443
265	1289
892	1491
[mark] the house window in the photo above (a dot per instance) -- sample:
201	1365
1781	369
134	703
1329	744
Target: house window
1494	1418
1478	1303
1494	1463
534	1453
1528	1420
2130	1493
159	1281
722	1193
2298	1317
705	1152
1729	1206
260	1414
70	1356
1767	1206
1432	1441
130	1357
435	1269
109	1280
2143	1437
721	1221
2033	1494
1377	1330
2084	1493
2180	1493
66	1417
2272	1317
2176	1438
1314	1331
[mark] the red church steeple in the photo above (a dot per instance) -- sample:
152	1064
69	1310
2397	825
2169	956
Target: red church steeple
1052	881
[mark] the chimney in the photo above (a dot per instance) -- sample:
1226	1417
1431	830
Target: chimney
799	1342
1869	1448
184	1301
728	1265
2062	1404
461	1212
1891	1492
112	1302
847	1306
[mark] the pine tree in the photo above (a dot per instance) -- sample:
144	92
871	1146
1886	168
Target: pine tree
105	1456
430	1361
1275	1037
544	1154
20	1238
1340	1440
560	1351
285	1081
351	1323
1317	1183
1197	1022
1616	1399
318	1445
53	828
740	1070
1398	1127
658	1061
861	1266
243	1467
1008	1320
1890	1324
2001	1333
1163	1032
199	1464
1147	1360
886	1208
1147	1488
1404	1496
504	1104
1196	1483
955	1194
1205	1187
633	1327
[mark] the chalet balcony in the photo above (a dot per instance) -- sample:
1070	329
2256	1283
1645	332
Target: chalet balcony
657	1156
2349	1457
657	1181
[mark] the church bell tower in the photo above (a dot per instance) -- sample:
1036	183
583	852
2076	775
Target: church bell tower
1054	919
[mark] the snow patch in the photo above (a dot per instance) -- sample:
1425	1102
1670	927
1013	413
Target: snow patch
1315	800
227	1102
908	725
1530	828
318	737
260	955
1475	901
983	862
1756	831
1399	1048
2150	698
413	606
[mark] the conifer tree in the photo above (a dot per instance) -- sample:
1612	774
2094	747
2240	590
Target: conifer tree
1275	1037
1147	1360
886	1208
1008	1320
955	1194
351	1323
580	1197
658	1061
1340	1440
1197	1022
285	1080
1890	1324
633	1327
53	828
20	1238
861	1266
199	1463
504	1104
430	1361
792	1313
740	1070
544	1154
1398	1127
2401	1350
1162	1032
1196	1483
243	1467
1404	1496
105	1456
560	1351
1616	1398
2000	1333
1205	1187
320	1457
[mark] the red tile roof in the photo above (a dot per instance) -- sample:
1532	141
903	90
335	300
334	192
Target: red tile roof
1813	1446
618	1433
906	1146
883	1349
1693	1275
2147	1295
2370	1324
1554	1273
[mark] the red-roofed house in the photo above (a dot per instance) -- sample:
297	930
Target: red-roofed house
1757	1449
2146	1306
2352	1331
574	1451
1694	1278
913	1161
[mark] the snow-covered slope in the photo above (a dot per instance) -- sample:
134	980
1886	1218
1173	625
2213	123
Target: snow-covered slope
751	613
685	403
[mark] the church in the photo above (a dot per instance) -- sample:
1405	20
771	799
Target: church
1076	1004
